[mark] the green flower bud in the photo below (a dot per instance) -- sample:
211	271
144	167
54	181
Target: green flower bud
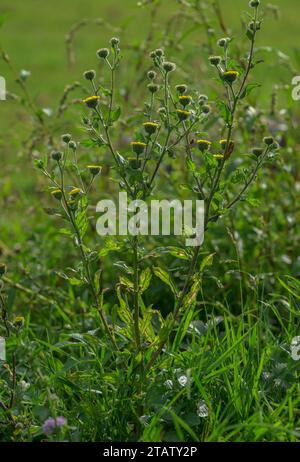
254	3
151	75
75	192
204	145
72	145
114	41
57	194
66	138
169	67
150	127
181	89
89	75
183	115
94	169
138	147
153	88
268	140
257	151
223	42
159	53
56	155
103	53
215	60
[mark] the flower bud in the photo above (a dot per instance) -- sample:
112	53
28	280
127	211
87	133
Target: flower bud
169	67
89	75
151	75
206	109
115	41
150	127
66	138
138	147
153	88
134	163
254	3
159	53
185	100
183	115
230	76
103	53
75	192
56	155
94	169
92	101
215	60
268	140
19	322
181	89
72	145
204	145
57	194
223	42
257	151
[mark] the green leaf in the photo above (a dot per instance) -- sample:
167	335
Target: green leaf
81	216
145	279
164	276
248	89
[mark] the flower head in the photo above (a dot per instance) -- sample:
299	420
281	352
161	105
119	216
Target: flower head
75	192
103	53
66	138
183	115
134	163
153	88
56	155
150	127
257	152
181	89
91	101
51	424
204	145
268	140
169	67
89	75
57	194
215	60
94	169
230	76
138	147
218	157
185	100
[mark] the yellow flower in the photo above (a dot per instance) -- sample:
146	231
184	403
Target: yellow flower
150	127
94	169
57	193
75	192
218	157
91	101
204	145
230	76
138	147
182	114
185	100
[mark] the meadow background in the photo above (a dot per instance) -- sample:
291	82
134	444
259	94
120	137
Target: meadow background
242	383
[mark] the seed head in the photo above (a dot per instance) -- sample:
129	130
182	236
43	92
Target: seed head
150	127
169	67
138	147
183	115
181	89
89	75
56	155
103	53
94	169
92	101
185	100
254	3
204	145
215	60
66	138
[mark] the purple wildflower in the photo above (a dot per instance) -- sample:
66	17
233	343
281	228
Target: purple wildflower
51	424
